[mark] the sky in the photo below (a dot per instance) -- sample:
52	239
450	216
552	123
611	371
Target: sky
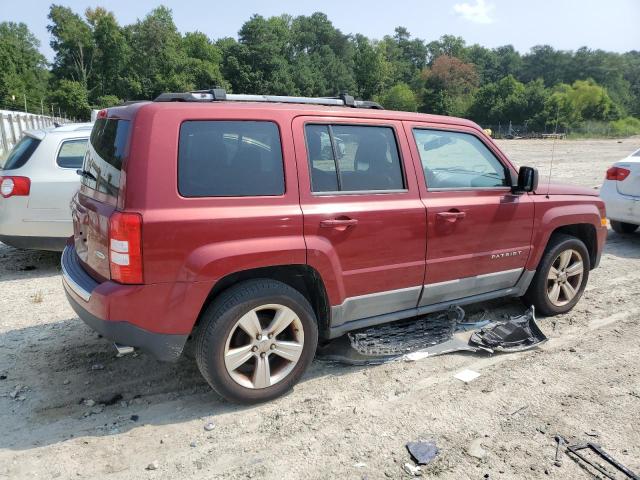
612	25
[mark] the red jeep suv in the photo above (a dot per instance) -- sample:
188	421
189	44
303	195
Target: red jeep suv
261	225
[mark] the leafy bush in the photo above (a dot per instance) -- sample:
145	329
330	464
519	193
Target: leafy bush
625	127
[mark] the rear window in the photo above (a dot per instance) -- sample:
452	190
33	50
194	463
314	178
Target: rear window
230	159
20	154
105	153
71	153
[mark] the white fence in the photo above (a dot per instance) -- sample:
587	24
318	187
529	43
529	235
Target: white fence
13	124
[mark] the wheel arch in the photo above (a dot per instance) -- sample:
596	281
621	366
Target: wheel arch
585	232
303	278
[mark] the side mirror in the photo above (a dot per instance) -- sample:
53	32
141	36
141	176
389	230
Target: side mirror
527	180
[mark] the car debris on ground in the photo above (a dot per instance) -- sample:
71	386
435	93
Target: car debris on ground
434	334
578	452
423	452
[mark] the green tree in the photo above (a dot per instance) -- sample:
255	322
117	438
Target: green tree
23	69
71	98
157	62
111	57
371	69
73	42
399	97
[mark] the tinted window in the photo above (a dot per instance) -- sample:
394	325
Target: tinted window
452	160
71	154
320	152
353	158
107	149
20	154
229	159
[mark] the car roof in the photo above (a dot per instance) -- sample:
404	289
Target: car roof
70	129
294	109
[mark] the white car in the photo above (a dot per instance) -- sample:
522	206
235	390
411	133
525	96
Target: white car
37	181
621	194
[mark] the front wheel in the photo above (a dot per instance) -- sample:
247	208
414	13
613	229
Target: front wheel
622	227
561	276
256	341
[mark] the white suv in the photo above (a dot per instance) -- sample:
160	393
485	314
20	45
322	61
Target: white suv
621	194
37	180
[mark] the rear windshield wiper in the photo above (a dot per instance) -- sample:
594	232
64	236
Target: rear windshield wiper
86	174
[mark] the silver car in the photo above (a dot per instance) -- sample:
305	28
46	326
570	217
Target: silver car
621	194
37	180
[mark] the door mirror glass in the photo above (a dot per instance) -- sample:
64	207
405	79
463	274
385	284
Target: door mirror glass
527	179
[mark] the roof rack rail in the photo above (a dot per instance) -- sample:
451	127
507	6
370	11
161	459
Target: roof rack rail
220	95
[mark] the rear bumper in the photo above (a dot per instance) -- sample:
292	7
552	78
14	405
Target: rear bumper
91	300
35	229
54	244
622	208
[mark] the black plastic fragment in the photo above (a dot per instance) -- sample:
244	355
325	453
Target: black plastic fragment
517	334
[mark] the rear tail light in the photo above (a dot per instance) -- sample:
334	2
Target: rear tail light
617	173
125	247
15	186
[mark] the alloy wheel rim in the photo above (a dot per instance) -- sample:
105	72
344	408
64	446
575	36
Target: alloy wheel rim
565	277
264	346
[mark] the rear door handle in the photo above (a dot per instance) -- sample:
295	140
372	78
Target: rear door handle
451	216
339	222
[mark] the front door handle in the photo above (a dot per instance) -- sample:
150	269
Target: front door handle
339	223
451	216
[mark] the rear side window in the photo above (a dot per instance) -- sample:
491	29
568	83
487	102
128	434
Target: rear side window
453	160
20	154
107	149
230	159
350	158
71	153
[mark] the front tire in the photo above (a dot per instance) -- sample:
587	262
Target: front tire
256	340
622	227
561	276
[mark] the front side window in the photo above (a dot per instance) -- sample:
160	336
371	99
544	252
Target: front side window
353	158
454	160
71	153
230	159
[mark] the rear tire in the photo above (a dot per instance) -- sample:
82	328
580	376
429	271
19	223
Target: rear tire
256	340
561	276
622	227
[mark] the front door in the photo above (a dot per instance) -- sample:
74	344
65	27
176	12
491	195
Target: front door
478	231
364	222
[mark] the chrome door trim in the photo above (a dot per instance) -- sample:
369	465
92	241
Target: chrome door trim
374	304
515	291
468	286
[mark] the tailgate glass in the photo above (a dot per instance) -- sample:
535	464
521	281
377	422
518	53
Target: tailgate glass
106	151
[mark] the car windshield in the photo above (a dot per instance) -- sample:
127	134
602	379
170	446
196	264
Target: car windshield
20	154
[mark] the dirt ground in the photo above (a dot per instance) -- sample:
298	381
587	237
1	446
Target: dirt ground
70	409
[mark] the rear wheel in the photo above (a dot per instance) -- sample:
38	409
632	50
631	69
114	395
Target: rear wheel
256	341
561	276
622	227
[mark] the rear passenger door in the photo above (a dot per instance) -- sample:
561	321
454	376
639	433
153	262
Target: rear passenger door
364	223
478	231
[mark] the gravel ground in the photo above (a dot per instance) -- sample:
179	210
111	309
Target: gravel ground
70	409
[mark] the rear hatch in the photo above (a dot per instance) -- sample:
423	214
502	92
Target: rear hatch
631	185
99	193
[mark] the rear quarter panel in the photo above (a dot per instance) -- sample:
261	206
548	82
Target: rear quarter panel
205	239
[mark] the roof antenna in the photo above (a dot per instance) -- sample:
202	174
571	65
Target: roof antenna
553	149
